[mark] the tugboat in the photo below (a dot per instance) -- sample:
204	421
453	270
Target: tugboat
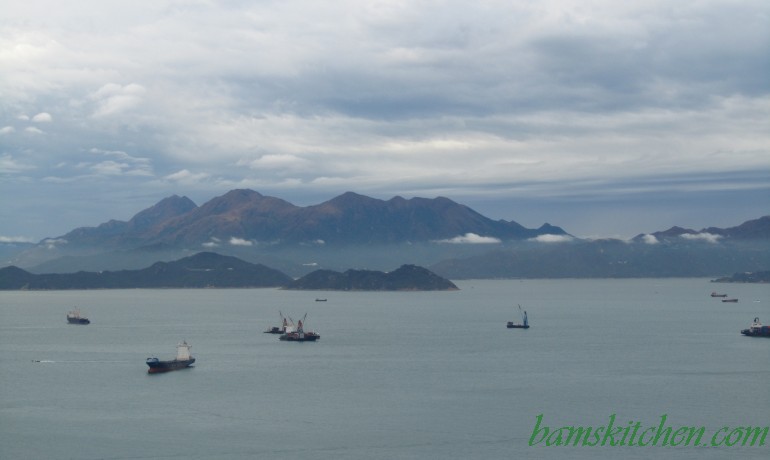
757	330
74	317
523	325
300	335
714	294
279	329
182	360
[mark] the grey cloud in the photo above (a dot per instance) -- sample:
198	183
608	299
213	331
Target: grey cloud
483	101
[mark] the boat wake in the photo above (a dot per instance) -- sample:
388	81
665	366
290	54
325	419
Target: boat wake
79	361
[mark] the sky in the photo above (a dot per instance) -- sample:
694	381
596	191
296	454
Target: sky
606	118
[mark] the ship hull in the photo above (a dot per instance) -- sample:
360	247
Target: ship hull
81	321
763	331
295	337
157	366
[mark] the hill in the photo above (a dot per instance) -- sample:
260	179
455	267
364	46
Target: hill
405	278
202	270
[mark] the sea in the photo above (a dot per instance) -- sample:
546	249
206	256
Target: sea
395	375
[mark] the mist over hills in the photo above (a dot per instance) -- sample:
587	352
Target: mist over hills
359	232
757	229
611	259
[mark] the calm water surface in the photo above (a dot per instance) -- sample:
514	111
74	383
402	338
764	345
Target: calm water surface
394	376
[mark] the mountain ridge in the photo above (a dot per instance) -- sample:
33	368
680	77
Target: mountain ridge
354	230
751	229
250	216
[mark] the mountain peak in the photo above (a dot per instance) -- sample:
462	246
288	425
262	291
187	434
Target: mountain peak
165	209
348	199
231	200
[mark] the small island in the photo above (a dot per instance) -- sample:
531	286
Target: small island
745	277
405	278
202	270
212	270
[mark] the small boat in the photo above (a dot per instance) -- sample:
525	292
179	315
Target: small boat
730	300
183	360
74	317
757	330
279	329
523	325
714	294
299	335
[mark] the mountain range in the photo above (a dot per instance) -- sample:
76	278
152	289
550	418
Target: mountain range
247	217
757	229
359	232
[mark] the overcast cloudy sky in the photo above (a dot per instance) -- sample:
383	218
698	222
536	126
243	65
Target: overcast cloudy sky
608	118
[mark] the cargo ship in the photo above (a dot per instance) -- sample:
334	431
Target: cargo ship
183	360
299	335
714	294
757	330
74	317
523	325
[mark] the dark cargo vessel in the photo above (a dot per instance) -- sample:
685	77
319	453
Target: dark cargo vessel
757	330
183	360
74	317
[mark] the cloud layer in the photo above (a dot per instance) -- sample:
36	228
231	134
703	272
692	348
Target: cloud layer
471	238
480	100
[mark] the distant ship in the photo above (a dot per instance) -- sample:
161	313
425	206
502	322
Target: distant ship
299	335
523	325
730	300
714	294
757	329
282	329
74	317
182	360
